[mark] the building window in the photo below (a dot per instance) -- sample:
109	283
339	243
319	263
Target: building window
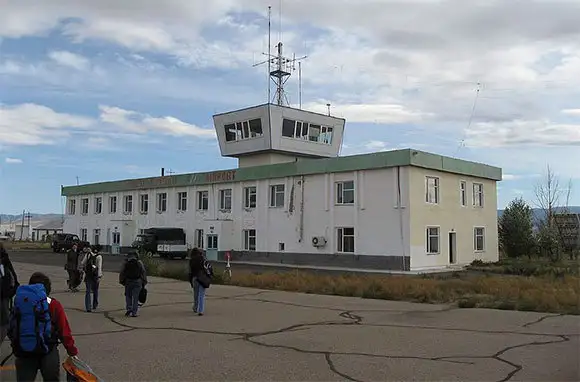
463	193
84	206
432	190
243	130
162	202
96	236
250	197
306	131
144	203
345	240
226	199
479	239
203	200
116	238
345	192
72	207
182	201
83	234
128	205
98	205
277	195
113	205
250	239
433	240
477	195
199	238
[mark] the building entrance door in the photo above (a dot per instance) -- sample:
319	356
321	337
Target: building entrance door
212	247
452	247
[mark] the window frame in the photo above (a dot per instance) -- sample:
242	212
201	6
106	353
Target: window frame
250	191
161	202
340	191
428	249
143	202
248	237
480	201
274	192
224	197
128	201
113	203
436	187
475	236
182	201
463	193
340	239
85	206
72	207
202	196
84	234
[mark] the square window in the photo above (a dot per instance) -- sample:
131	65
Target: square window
433	240
226	199
277	195
345	240
345	192
432	190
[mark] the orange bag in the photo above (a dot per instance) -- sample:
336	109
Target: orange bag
79	371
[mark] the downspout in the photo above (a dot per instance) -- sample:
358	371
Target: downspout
301	232
400	208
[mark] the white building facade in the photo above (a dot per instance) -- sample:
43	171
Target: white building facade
397	210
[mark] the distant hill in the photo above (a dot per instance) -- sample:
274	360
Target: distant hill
538	213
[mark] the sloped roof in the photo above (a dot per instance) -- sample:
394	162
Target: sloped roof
51	225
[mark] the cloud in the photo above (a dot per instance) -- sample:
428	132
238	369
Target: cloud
371	113
135	122
523	133
573	112
13	161
32	124
69	59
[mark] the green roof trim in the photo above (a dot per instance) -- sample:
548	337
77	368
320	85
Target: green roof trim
385	159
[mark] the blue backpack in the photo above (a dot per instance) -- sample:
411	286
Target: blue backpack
31	332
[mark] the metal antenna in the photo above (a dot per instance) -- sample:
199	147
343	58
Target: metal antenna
282	68
300	84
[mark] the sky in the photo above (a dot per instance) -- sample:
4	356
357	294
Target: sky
103	90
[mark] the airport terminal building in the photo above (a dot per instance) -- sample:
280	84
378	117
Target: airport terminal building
293	200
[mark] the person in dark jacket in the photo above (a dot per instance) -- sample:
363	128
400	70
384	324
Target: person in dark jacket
197	271
9	284
72	268
133	277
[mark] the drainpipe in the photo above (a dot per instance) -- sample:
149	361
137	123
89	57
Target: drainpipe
400	208
301	209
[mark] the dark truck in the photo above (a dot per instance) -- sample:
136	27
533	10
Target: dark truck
65	241
165	242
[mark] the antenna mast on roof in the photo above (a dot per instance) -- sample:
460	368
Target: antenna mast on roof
283	66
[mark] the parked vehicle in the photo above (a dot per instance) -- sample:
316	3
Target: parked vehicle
165	242
65	241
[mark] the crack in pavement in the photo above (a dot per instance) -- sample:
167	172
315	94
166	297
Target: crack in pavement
526	325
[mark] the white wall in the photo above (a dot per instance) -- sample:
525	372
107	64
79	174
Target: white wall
374	214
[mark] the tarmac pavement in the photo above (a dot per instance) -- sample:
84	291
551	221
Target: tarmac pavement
257	335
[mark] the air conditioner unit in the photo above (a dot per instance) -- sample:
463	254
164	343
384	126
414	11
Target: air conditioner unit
318	241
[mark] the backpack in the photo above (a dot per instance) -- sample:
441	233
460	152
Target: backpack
207	268
31	331
132	269
7	283
91	269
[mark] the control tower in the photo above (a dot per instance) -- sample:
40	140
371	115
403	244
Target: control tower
275	132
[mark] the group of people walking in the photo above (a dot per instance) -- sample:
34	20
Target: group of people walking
36	323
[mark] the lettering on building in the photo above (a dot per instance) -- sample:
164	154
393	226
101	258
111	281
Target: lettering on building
162	181
221	176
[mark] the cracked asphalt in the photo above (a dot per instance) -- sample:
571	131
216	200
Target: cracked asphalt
257	335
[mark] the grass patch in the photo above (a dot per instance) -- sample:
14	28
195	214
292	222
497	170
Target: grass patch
528	267
526	293
28	245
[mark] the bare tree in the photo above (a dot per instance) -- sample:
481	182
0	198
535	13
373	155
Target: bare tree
552	199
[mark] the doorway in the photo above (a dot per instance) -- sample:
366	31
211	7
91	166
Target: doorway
212	247
452	247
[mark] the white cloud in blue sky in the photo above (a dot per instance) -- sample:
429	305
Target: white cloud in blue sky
108	90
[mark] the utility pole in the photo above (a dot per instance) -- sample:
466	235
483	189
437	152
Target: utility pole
22	224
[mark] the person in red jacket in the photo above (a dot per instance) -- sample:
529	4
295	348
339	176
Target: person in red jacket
49	364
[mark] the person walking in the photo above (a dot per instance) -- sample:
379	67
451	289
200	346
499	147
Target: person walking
8	286
133	277
35	332
72	268
200	274
92	266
